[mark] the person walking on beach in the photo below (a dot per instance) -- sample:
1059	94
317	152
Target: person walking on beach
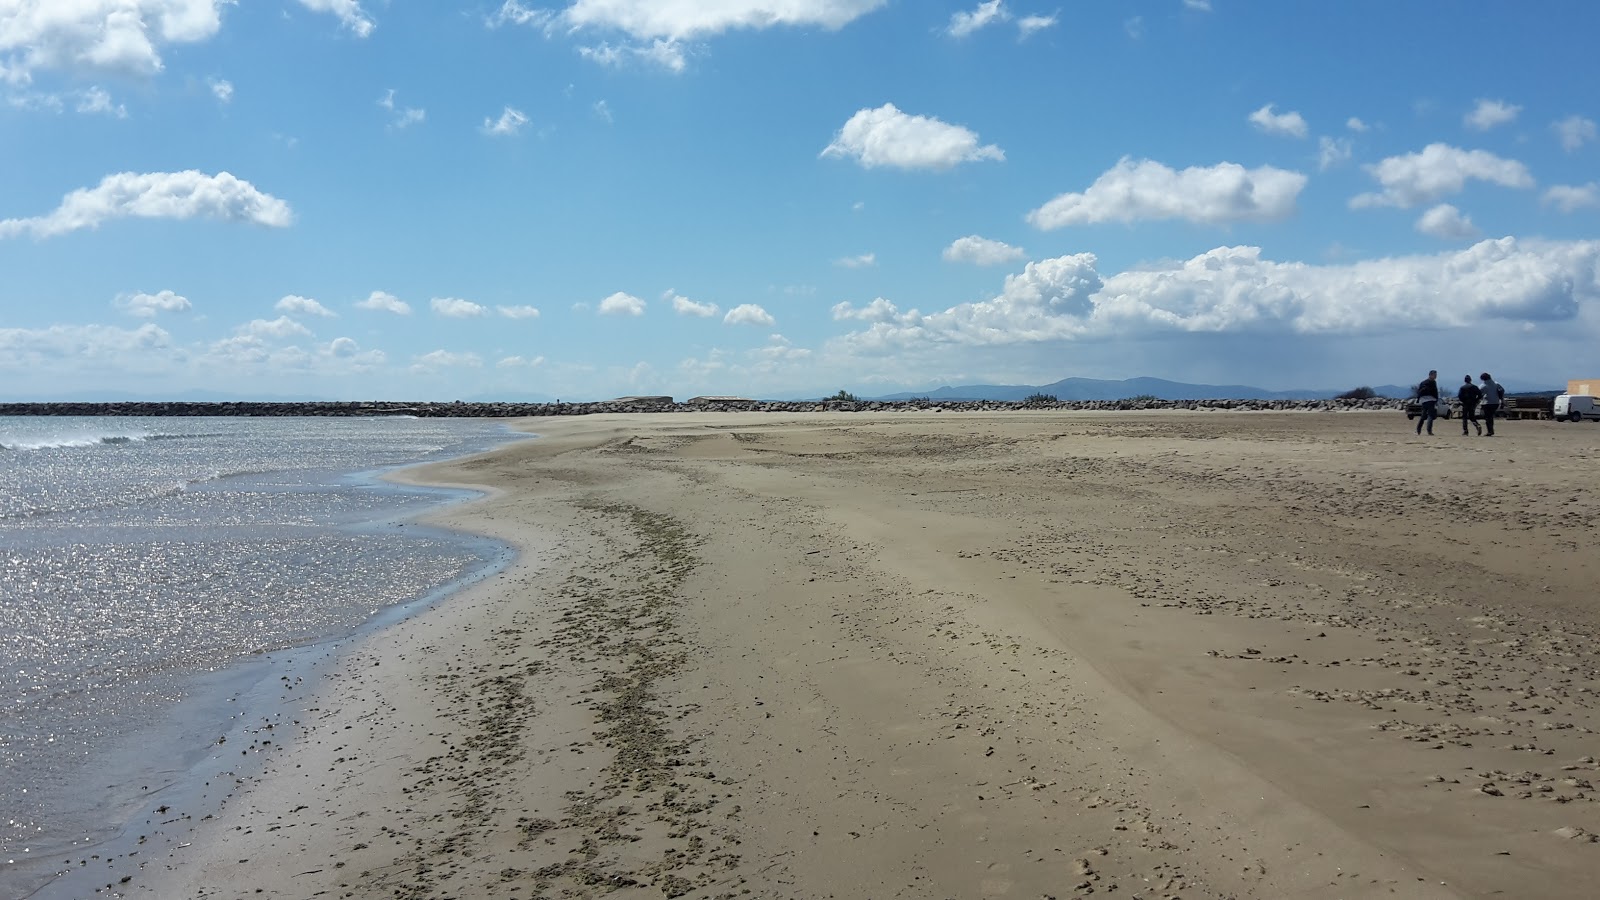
1469	395
1493	395
1428	399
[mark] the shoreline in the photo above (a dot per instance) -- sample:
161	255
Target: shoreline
983	656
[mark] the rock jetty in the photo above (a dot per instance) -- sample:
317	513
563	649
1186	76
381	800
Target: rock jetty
461	409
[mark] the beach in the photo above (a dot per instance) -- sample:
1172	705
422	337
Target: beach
1023	654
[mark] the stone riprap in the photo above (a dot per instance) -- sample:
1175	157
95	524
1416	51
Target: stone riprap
462	409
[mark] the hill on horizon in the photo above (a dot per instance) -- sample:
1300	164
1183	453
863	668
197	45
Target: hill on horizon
1102	389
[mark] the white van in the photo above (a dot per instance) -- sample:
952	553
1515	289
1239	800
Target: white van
1577	407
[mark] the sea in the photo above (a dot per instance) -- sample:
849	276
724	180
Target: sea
163	580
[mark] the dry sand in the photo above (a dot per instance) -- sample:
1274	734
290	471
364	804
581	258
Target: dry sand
966	655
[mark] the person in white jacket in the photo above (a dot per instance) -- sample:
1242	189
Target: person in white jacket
1493	394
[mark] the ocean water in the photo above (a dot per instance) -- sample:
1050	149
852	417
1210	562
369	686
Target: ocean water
147	565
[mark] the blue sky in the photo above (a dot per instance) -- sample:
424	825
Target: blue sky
367	199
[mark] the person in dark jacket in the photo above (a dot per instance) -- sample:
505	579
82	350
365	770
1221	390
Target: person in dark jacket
1469	395
1428	399
1493	396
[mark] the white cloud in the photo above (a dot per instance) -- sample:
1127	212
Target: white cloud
748	314
879	310
428	363
981	251
683	306
1575	131
85	37
147	306
404	116
1332	152
1134	27
1489	114
687	19
989	12
514	13
668	54
602	111
1356	125
888	137
1290	124
60	348
1571	198
864	261
281	327
350	356
1028	25
1438	170
1446	222
293	303
1198	5
349	12
518	312
95	101
454	308
621	304
384	302
519	362
1235	290
509	123
221	88
156	195
1132	191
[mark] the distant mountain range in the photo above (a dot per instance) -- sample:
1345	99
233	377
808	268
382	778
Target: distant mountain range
1097	389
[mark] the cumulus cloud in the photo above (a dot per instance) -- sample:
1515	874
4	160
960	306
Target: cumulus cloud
863	261
350	14
83	37
61	348
509	123
888	137
662	52
404	116
455	308
1489	114
156	195
1289	124
148	306
1332	152
1571	198
385	302
748	314
981	251
518	312
305	306
1436	171
281	327
1356	125
1574	131
95	101
621	304
1236	290
1028	25
990	12
1446	222
1133	191
520	362
683	306
444	359
221	88
682	20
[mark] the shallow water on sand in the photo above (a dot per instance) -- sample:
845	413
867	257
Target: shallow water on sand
143	560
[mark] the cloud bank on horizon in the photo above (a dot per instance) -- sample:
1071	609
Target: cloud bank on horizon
784	197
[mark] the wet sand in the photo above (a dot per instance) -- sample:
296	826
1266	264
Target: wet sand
977	655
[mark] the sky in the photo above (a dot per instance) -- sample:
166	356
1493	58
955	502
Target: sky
522	199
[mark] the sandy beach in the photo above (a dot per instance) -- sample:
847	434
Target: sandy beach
1151	655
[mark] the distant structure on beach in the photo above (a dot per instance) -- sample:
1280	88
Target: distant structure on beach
665	400
1581	386
726	401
